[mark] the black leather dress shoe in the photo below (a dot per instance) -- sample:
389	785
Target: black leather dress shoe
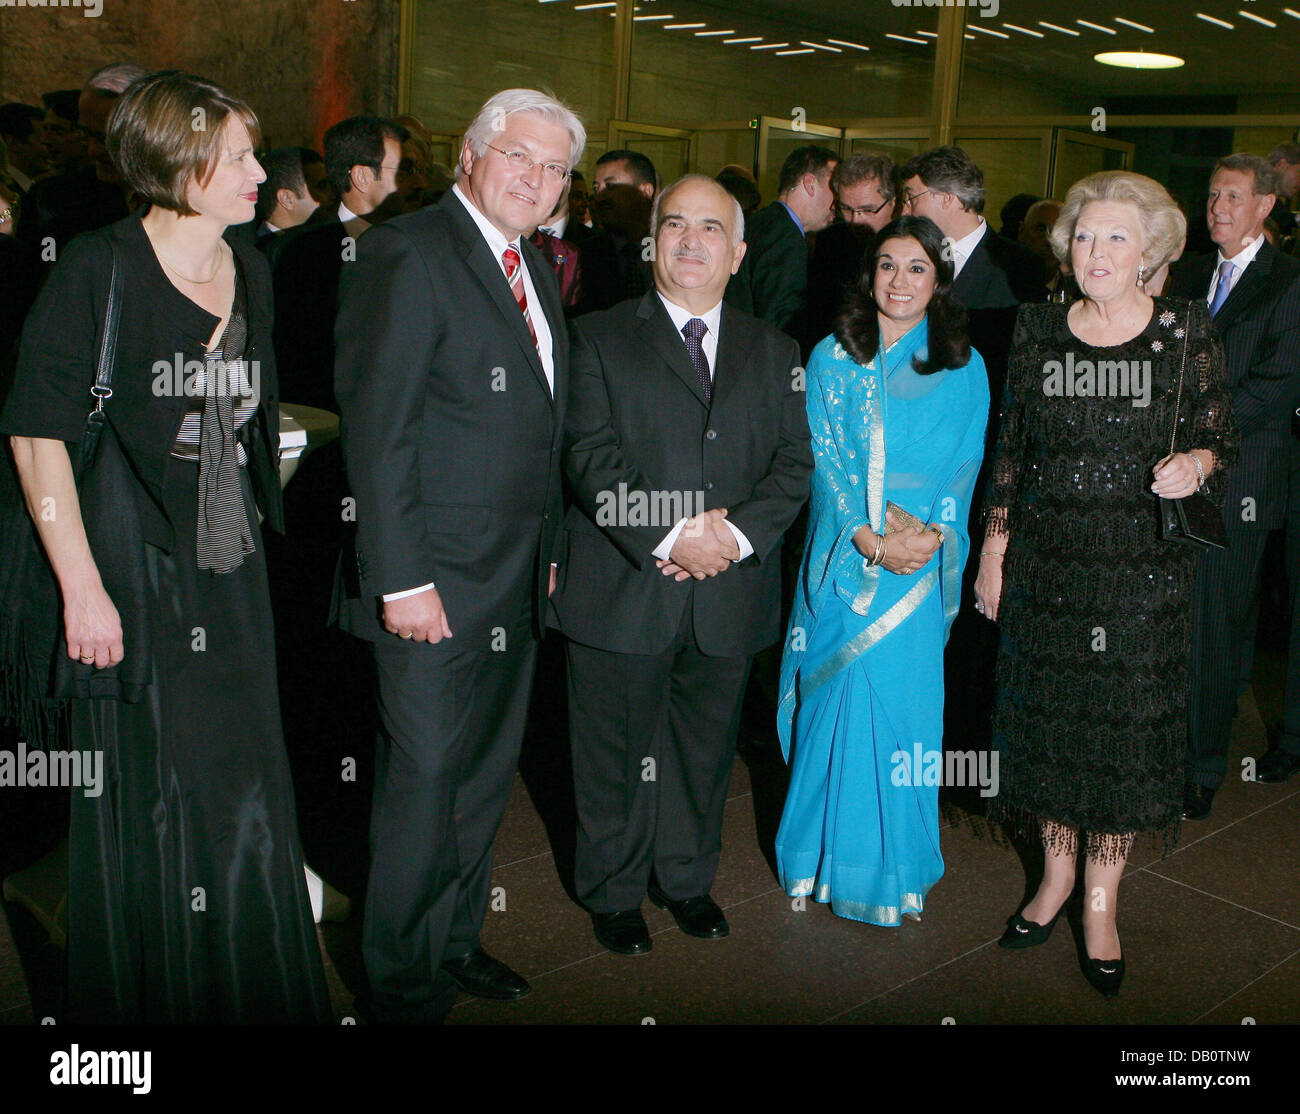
1277	766
695	916
1196	801
484	977
624	932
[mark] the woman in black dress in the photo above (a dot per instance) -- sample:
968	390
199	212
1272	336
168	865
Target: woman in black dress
186	897
1094	608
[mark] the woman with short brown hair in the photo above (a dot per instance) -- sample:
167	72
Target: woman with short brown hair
186	896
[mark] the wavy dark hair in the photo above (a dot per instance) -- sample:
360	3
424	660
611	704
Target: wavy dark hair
858	327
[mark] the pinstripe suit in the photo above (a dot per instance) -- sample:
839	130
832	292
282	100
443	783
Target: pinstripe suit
1260	326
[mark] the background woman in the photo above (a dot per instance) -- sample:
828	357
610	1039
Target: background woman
1090	719
897	404
186	894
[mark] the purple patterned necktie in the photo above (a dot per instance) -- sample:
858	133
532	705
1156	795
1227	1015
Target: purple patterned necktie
693	332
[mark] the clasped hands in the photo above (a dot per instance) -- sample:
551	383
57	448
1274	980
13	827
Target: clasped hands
704	547
907	549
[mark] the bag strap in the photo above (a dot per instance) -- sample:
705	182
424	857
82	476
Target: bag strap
103	386
1173	436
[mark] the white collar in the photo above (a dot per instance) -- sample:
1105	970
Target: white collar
345	214
1243	258
966	245
491	233
712	319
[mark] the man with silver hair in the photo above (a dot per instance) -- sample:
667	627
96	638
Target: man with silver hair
451	373
687	453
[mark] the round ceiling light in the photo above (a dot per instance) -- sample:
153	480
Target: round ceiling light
1138	60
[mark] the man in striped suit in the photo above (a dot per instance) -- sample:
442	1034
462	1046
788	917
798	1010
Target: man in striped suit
1253	291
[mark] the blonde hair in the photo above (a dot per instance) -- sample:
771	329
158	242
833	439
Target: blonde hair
1163	225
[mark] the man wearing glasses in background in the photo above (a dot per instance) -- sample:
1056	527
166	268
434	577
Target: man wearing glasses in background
452	379
864	204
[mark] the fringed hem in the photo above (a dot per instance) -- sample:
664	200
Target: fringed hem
1060	835
24	681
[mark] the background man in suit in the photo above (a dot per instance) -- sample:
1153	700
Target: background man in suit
614	261
452	376
694	407
864	204
282	198
362	154
773	275
1254	295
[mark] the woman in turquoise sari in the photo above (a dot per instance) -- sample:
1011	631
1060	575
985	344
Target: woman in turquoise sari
897	405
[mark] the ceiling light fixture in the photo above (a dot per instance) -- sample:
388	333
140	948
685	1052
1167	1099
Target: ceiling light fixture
1135	26
1024	30
1255	18
1055	27
1216	22
845	42
1138	60
1097	27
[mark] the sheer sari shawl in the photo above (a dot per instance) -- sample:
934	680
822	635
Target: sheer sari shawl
914	440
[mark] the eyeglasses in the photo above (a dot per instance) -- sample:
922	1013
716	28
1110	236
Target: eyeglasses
520	161
848	211
913	198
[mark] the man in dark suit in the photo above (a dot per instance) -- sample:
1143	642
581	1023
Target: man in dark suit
615	262
282	199
687	451
864	204
773	277
452	376
1253	292
362	154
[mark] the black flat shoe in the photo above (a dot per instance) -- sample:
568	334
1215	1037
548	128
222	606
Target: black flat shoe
1021	933
1104	975
1197	800
484	977
1276	766
624	932
696	916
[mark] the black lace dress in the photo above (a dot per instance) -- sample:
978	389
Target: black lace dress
1090	719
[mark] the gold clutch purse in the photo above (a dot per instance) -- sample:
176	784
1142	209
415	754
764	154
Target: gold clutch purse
905	519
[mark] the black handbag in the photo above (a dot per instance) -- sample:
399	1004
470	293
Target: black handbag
1193	520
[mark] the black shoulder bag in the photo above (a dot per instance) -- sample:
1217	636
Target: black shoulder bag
1193	520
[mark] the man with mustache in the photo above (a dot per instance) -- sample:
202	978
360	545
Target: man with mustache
687	452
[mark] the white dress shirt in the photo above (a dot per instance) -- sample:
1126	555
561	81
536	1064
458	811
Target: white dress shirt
1239	262
545	344
709	345
963	248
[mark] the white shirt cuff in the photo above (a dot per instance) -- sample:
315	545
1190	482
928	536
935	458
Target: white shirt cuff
746	550
402	595
665	548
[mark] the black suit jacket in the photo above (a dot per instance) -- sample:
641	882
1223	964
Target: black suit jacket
773	276
451	437
1260	327
307	267
833	269
640	429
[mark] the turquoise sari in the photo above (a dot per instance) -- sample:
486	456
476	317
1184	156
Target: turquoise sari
862	673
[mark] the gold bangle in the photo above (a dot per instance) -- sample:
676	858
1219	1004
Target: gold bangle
990	553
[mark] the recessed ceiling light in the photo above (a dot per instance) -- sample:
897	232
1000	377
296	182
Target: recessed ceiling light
989	31
683	26
1255	18
593	7
641	18
1138	60
1024	30
706	34
1054	27
785	52
929	34
1216	22
1096	27
1135	26
1291	12
818	46
769	46
845	42
905	39
751	39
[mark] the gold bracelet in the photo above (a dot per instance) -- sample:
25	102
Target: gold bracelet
990	553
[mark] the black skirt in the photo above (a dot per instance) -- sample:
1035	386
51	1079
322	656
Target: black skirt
187	901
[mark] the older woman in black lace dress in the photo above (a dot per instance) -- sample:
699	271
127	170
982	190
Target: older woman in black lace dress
1093	606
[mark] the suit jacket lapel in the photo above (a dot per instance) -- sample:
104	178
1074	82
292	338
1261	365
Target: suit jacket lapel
487	269
734	344
1252	284
658	331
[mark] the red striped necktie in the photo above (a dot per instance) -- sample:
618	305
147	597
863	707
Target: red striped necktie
515	276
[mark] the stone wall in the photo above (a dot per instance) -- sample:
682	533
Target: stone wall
301	64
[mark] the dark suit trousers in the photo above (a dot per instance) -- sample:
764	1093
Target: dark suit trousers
450	728
1226	584
653	738
1290	741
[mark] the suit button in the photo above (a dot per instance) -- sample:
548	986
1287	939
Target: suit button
711	435
708	485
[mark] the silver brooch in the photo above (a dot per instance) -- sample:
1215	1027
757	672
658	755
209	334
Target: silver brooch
1157	346
1168	318
1180	332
